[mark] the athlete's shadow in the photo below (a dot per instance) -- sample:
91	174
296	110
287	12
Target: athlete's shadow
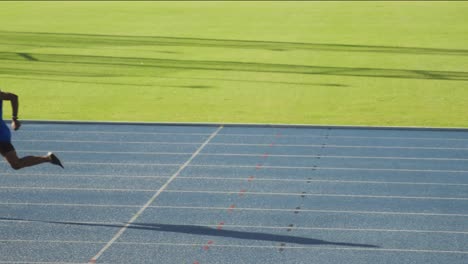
209	231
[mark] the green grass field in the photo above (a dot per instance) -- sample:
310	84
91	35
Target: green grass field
348	63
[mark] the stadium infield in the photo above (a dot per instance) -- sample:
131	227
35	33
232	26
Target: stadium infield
346	62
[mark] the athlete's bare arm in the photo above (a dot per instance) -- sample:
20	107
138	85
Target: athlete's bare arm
13	98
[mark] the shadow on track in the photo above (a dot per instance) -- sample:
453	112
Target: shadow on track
208	231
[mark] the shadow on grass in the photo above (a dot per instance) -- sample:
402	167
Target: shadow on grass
70	40
194	86
52	73
78	82
19	75
150	64
208	231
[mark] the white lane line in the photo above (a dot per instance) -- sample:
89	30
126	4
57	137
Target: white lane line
153	198
251	155
69	205
48	132
30	221
85	175
75	189
401	138
322	195
237	246
264	167
243	135
309	211
113	152
122	164
350	137
233	192
339	146
332	156
305	228
263	179
110	142
240	209
324	168
220	178
39	262
235	144
52	241
303	247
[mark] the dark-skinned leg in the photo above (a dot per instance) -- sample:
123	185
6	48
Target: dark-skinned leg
28	161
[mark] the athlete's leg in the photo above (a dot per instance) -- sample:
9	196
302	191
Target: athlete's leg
9	153
19	163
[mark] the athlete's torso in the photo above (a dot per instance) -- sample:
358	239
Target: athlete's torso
5	134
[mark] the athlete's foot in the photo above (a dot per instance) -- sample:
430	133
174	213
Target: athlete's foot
54	160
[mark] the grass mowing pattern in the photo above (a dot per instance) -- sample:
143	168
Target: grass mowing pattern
358	63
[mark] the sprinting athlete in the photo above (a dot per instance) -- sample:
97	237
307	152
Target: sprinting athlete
6	148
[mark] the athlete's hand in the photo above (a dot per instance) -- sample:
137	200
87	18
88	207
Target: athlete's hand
15	124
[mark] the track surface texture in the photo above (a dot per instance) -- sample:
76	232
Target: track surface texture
193	194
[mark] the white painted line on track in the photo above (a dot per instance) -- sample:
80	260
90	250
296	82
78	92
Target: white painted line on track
243	135
240	209
74	189
48	132
339	146
85	175
237	246
333	156
233	192
251	155
118	164
263	179
220	178
302	247
111	152
39	262
351	137
52	241
109	142
264	167
123	164
236	144
342	229
70	205
29	221
153	198
322	195
324	168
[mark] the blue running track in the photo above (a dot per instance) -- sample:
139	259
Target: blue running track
175	194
